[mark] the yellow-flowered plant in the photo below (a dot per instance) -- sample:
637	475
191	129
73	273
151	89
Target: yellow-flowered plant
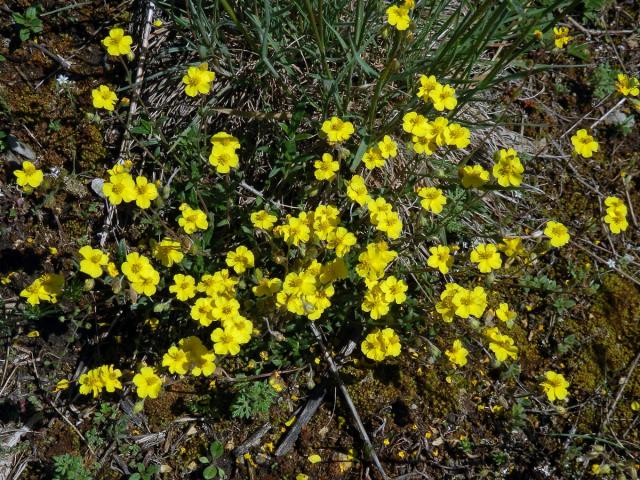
337	130
458	354
192	219
46	288
584	144
103	377
28	177
558	234
104	97
398	17
93	261
224	154
508	169
627	86
561	36
326	168
501	345
381	344
440	258
117	43
555	386
198	80
487	257
147	382
616	217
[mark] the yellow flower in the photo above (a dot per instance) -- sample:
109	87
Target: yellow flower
267	287
627	86
387	147
557	233
443	97
501	345
120	188
29	177
92	261
91	382
263	219
158	23
445	306
241	259
337	130
61	385
147	383
224	159
394	290
487	257
372	158
302	476
505	314
427	85
315	458
176	360
470	302
440	258
473	176
415	124
432	199
538	34
555	386
437	129
225	140
617	221
615	204
380	344
202	310
398	16
145	192
357	190
192	219
110	378
117	42
133	265
198	80
458	354
561	36
425	145
512	247
584	144
184	286
225	342
104	97
326	168
146	282
341	240
508	169
167	252
457	136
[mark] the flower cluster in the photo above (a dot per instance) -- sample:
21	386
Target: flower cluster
501	345
381	344
458	354
143	277
508	169
45	288
192	219
616	217
190	356
103	377
223	154
443	97
427	136
122	187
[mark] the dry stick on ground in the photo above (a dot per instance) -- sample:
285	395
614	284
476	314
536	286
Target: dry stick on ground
634	364
605	262
347	398
314	401
599	32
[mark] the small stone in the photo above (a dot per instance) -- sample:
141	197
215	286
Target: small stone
20	148
96	186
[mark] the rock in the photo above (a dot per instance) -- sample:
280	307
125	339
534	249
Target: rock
96	186
20	148
9	157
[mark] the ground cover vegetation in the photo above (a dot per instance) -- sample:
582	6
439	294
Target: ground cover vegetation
319	239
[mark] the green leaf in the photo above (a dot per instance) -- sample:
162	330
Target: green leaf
210	472
204	460
216	449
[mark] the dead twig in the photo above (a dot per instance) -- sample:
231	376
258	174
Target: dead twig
347	398
623	385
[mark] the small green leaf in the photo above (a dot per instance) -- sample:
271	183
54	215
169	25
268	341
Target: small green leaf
216	449
210	472
204	460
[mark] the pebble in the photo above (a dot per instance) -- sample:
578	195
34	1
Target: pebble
20	148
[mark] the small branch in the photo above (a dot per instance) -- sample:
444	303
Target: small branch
613	109
634	364
252	441
599	32
347	398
